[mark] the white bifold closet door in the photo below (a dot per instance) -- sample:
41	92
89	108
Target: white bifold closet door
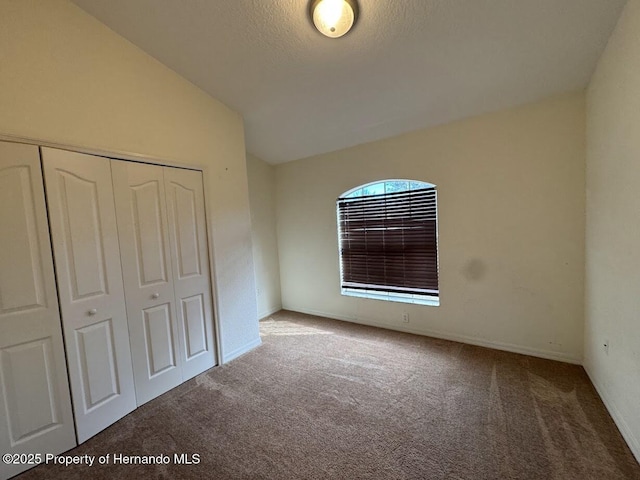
35	406
162	230
190	262
146	267
87	258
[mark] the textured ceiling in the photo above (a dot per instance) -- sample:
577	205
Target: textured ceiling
407	64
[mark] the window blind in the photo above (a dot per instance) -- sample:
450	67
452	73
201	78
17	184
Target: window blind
388	243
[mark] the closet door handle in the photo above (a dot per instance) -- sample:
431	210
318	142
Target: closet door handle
155	295
92	312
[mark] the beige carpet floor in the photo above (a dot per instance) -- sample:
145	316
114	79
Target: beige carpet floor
323	399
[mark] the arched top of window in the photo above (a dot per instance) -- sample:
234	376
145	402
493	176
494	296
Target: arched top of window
385	186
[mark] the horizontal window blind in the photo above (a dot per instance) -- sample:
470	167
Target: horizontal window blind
388	243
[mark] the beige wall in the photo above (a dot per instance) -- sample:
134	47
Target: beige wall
67	78
613	226
511	228
263	230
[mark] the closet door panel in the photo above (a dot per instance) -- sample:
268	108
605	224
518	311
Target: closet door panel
85	241
144	239
34	391
191	280
194	318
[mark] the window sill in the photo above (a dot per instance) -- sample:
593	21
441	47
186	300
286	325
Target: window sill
392	297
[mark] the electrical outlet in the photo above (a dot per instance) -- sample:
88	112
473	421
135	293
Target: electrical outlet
606	346
405	317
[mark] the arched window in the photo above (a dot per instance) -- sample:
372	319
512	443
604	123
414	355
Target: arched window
388	237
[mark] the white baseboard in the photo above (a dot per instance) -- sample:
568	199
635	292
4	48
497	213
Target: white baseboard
623	426
562	357
266	313
227	357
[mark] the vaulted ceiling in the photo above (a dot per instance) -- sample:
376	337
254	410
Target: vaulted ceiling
406	65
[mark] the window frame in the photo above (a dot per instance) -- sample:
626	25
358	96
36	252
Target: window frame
377	294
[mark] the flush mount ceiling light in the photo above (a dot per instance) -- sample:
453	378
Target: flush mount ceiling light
333	18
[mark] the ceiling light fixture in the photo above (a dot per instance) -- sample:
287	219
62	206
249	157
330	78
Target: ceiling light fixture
333	18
